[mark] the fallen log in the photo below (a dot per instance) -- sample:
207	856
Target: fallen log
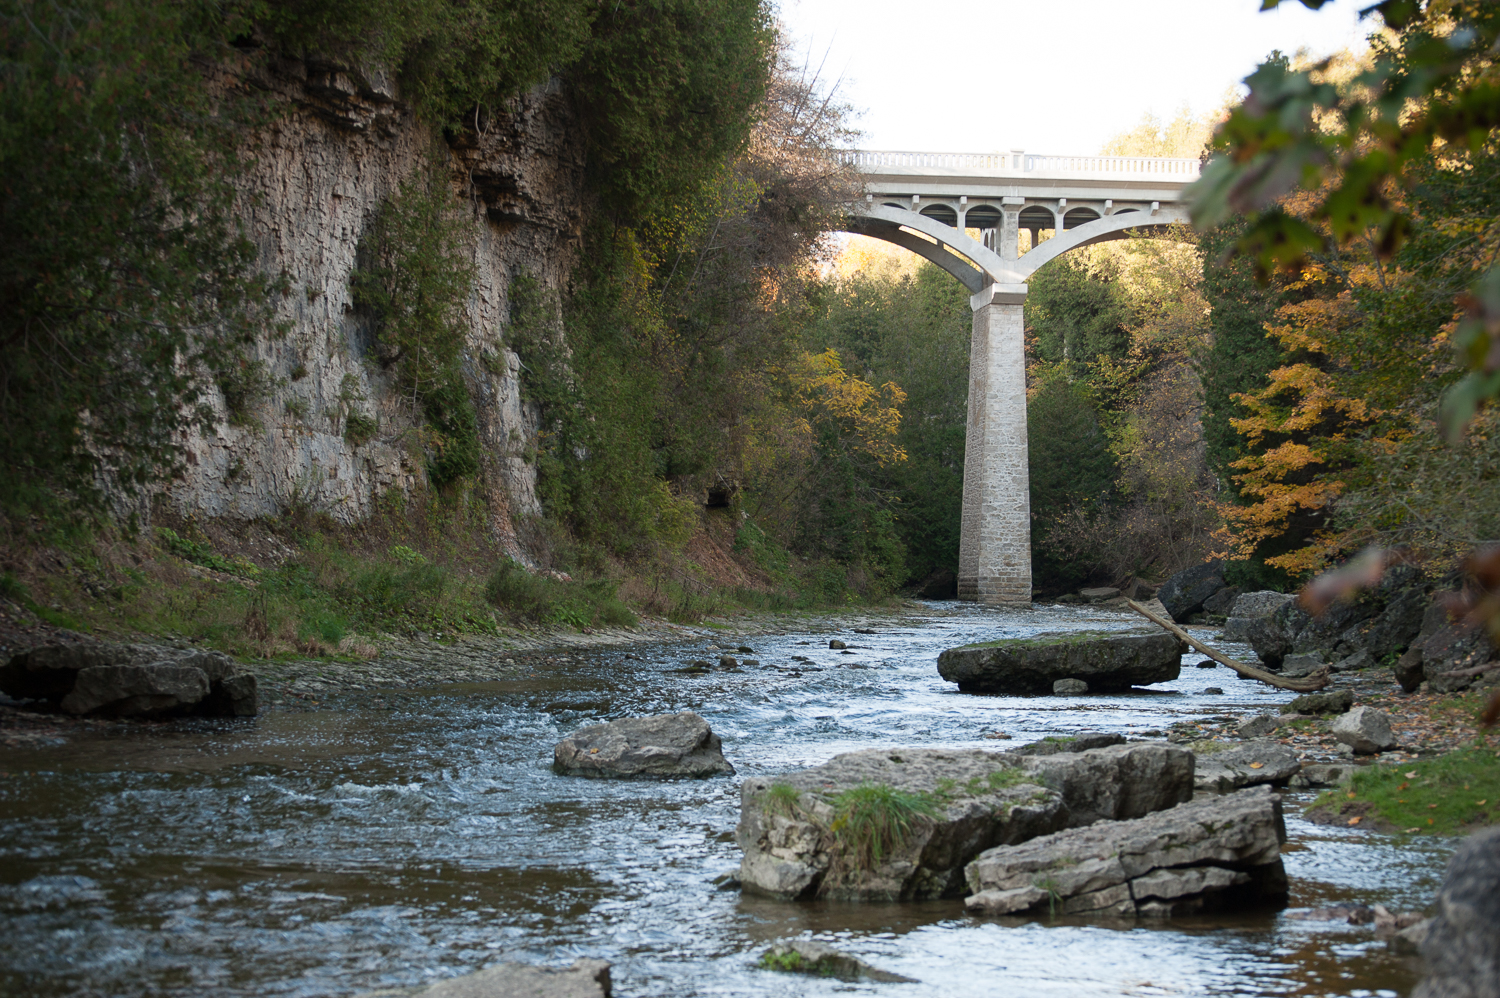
1316	681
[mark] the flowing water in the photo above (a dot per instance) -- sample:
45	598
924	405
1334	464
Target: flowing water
385	841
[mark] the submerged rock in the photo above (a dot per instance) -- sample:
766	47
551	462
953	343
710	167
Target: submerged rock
805	956
956	805
662	746
105	679
1105	660
1070	687
584	979
1212	852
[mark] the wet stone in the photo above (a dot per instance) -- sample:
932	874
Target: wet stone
662	746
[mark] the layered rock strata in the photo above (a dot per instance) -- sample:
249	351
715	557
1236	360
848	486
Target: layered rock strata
796	840
104	679
1206	853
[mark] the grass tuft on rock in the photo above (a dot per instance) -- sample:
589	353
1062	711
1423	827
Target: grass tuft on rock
782	798
873	820
1450	795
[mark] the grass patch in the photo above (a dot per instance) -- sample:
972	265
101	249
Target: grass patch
1450	795
873	820
783	799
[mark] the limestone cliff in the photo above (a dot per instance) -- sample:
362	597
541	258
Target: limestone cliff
343	142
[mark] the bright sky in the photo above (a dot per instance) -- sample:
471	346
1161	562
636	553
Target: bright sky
1048	76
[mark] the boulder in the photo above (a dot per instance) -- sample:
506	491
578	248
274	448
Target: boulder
1211	852
1183	594
584	979
1454	656
807	956
1219	603
662	746
1099	594
1256	727
1338	625
1409	671
136	690
1462	943
1361	659
1272	636
1237	629
1365	730
1116	782
1107	660
1337	702
1300	664
973	800
107	679
1247	764
837	645
961	803
1398	625
1262	603
1070	687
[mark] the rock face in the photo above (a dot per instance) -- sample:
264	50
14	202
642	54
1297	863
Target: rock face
584	979
342	140
663	746
104	679
1212	852
1462	943
1246	764
1365	730
977	800
1105	660
1184	593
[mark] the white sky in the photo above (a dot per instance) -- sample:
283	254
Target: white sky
1048	76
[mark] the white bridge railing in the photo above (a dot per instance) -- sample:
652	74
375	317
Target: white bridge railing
1017	161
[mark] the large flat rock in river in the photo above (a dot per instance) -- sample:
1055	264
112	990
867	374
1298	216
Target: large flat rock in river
1107	660
804	834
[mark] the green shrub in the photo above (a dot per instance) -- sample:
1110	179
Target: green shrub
359	428
526	596
873	820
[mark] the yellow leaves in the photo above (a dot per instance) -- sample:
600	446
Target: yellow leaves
827	394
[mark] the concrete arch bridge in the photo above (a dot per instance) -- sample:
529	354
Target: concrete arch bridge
928	203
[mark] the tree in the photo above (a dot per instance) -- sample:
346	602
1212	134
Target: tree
1430	90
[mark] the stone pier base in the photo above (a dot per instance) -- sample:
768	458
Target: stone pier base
994	554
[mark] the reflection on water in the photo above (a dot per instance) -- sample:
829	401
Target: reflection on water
383	844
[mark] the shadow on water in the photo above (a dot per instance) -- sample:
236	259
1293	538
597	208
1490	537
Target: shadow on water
362	846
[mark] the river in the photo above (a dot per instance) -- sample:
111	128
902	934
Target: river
382	841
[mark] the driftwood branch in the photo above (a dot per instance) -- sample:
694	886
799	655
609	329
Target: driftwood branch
1316	681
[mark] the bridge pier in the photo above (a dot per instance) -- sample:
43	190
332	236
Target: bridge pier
994	552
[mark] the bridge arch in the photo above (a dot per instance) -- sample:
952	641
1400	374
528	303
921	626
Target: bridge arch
975	265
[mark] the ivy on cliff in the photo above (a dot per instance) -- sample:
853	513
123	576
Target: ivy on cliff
124	281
